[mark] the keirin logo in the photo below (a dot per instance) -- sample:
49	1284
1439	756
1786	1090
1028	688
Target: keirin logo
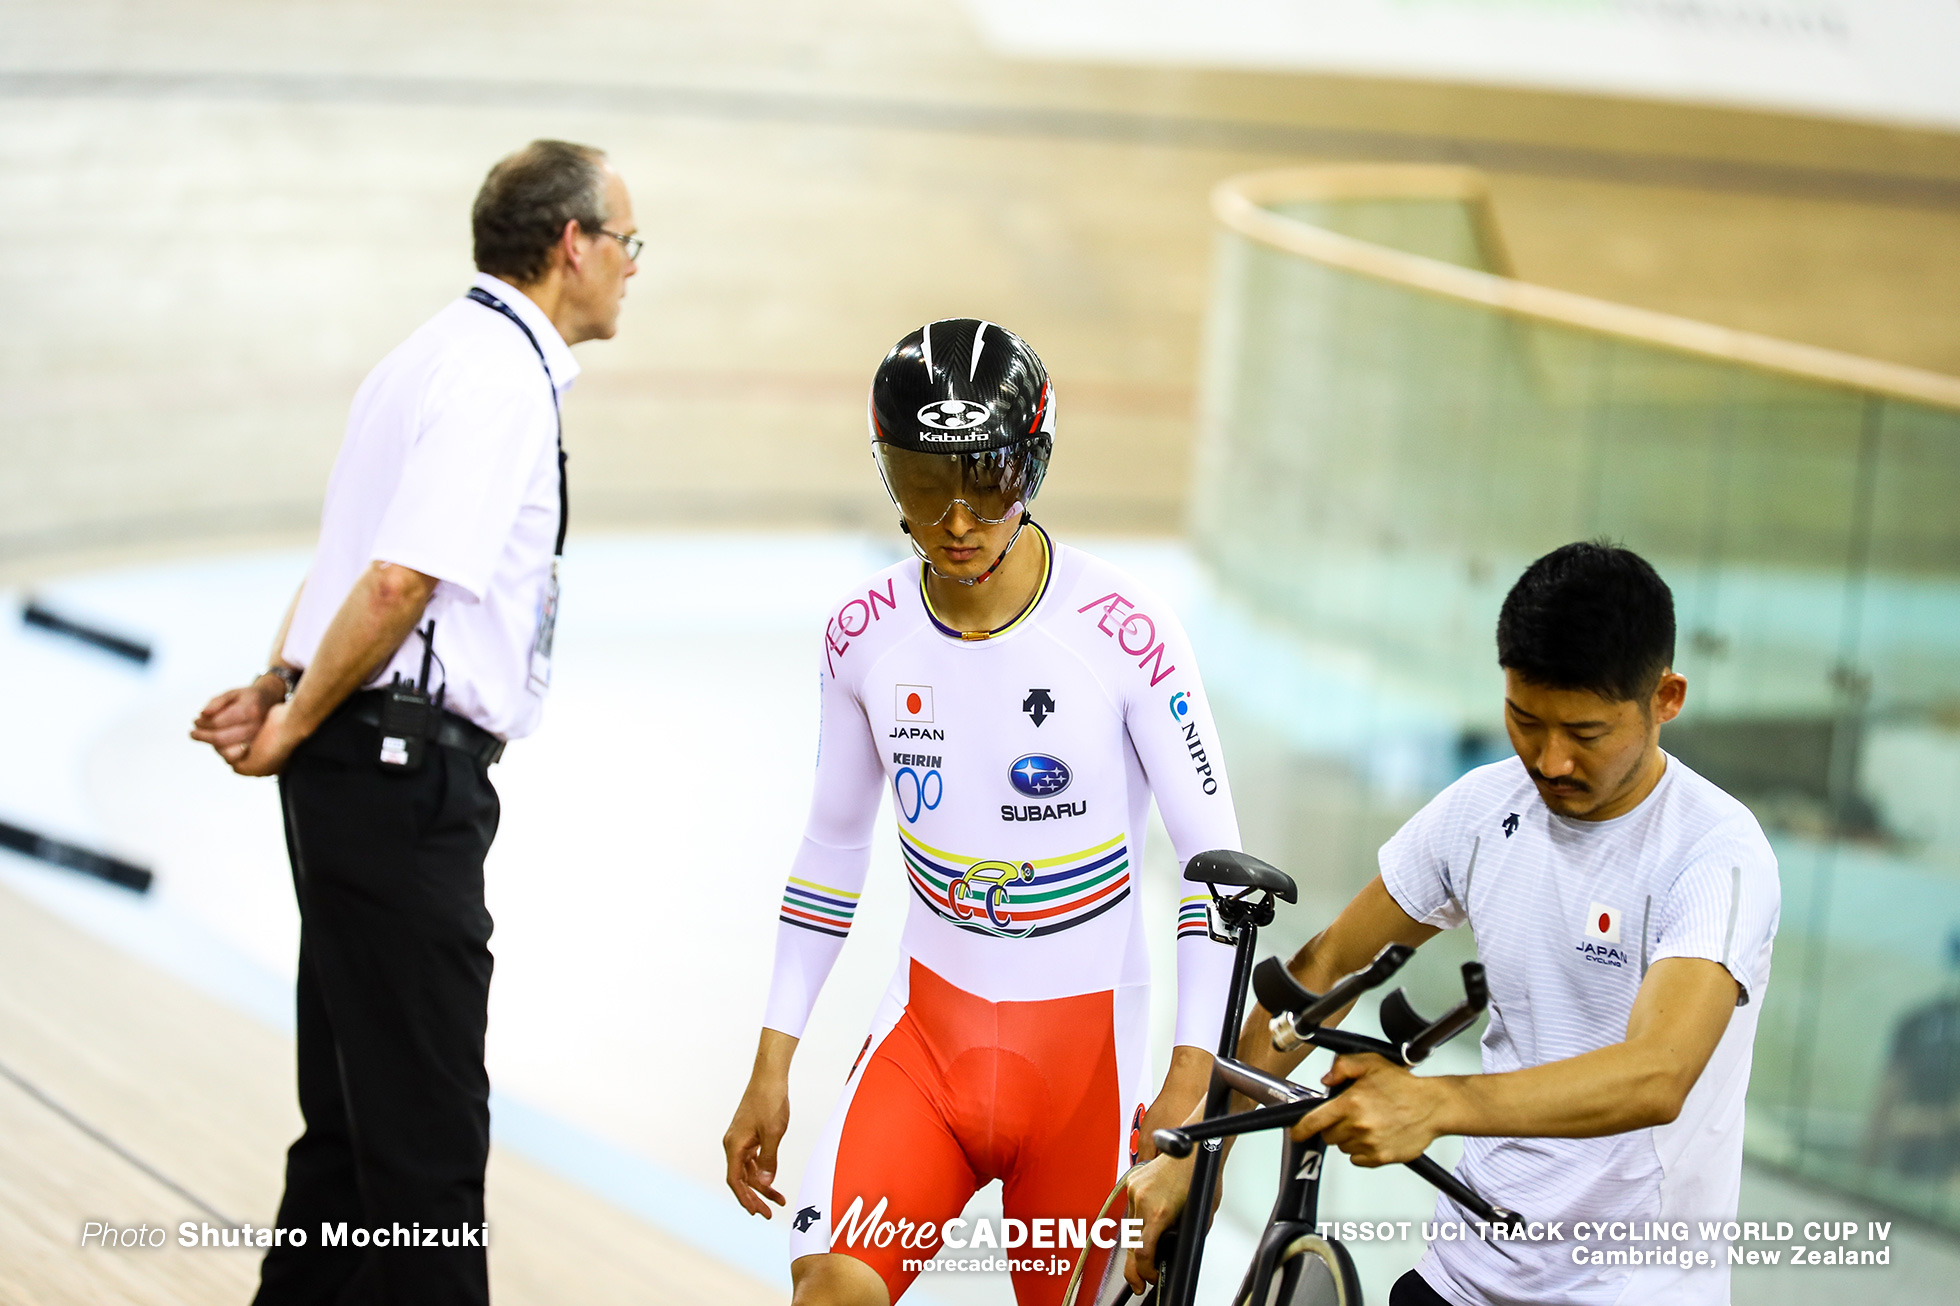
917	793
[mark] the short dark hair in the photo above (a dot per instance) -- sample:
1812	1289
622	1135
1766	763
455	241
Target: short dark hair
526	201
1590	616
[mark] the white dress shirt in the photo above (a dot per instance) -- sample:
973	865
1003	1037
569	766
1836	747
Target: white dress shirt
450	466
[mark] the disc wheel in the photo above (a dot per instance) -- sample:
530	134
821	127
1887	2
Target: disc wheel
1314	1272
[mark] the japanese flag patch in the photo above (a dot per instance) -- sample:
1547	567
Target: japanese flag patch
914	703
1603	922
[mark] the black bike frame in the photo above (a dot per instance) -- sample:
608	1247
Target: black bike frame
1283	1103
1243	915
1296	1211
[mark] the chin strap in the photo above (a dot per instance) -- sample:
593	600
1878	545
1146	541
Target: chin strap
1026	519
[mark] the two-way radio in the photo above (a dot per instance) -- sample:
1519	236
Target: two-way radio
409	715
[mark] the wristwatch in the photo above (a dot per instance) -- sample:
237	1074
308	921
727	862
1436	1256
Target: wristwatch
286	674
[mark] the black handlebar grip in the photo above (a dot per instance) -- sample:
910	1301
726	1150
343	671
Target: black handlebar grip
1400	1023
1278	992
1454	1021
1373	975
1173	1142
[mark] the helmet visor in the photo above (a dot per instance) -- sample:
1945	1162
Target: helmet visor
993	484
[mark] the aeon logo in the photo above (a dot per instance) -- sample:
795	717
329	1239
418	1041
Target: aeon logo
1039	776
953	415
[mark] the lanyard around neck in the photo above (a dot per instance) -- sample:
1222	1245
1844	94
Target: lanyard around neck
490	301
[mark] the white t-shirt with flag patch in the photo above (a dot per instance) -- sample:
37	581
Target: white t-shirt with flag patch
1568	917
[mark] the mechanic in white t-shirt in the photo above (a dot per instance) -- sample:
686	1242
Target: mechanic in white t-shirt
1623	908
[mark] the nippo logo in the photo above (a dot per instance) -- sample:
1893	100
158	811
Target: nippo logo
1039	776
1180	705
953	415
1603	922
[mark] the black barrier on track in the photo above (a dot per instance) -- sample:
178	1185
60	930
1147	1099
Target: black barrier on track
36	615
122	874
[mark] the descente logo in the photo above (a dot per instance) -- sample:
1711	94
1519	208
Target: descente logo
856	1228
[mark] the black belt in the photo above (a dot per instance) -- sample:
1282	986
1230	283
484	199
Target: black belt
452	731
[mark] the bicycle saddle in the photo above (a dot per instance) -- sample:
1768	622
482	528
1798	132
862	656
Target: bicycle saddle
1240	870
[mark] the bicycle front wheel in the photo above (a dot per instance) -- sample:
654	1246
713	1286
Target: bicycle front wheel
1313	1271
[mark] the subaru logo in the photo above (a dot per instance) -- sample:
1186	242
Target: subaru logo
1039	776
953	415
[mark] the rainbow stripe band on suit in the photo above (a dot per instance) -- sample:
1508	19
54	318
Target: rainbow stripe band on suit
1194	916
1006	899
818	907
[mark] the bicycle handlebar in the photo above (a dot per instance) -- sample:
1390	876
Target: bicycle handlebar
1297	1016
1265	1089
1180	1142
1476	996
1462	1194
1298	1012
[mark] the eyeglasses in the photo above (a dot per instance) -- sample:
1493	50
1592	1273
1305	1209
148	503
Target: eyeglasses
631	244
992	485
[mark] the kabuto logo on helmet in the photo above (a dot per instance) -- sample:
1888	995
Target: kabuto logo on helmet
953	415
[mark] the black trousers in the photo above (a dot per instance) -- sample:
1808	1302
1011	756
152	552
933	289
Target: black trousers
1414	1290
393	994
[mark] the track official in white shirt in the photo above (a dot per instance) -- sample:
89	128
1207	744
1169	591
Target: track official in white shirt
419	644
1623	908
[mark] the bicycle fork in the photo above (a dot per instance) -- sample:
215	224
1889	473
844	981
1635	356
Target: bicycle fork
1296	1211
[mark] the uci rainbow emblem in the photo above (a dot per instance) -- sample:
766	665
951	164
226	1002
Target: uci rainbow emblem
1017	899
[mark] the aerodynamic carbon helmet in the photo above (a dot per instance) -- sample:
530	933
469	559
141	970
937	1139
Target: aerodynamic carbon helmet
961	410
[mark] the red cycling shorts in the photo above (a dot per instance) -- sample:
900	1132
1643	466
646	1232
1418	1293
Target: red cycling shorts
952	1092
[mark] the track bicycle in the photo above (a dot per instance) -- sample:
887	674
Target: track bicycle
1293	1264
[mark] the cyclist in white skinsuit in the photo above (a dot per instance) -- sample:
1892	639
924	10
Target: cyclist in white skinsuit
1020	759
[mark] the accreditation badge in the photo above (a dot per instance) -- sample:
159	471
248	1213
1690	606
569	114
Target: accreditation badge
540	678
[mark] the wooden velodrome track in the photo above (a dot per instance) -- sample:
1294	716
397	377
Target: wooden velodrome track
216	214
127	1098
